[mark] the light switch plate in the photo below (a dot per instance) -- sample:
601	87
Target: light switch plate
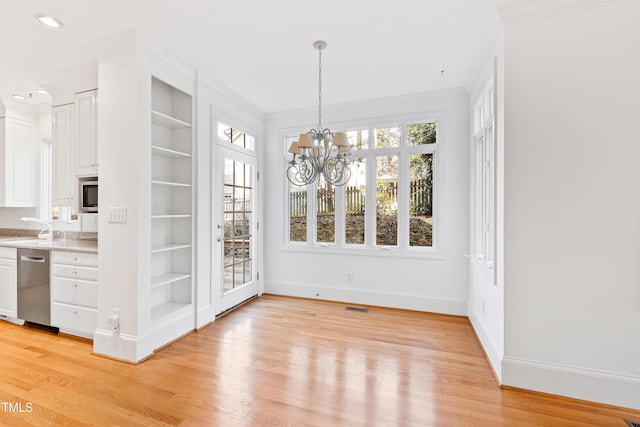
118	215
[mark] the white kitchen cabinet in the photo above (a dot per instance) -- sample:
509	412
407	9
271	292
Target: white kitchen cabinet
89	223
64	182
74	292
86	119
75	149
18	164
8	282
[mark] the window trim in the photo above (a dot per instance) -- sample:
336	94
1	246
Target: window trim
484	127
403	249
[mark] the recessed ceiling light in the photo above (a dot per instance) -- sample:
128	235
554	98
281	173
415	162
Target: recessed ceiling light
42	91
50	21
20	97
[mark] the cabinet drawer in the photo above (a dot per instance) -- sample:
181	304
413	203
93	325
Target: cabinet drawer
75	272
75	258
74	317
73	291
9	253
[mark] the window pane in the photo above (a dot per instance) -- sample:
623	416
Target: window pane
297	213
237	225
388	137
387	200
236	137
355	202
422	133
358	139
326	212
421	200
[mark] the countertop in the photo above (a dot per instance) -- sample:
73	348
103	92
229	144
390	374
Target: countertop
68	245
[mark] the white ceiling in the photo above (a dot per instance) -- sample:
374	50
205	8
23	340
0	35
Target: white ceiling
261	50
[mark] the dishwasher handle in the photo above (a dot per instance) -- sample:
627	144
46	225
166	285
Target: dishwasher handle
30	258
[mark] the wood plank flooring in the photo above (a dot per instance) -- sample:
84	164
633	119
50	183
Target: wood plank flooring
281	361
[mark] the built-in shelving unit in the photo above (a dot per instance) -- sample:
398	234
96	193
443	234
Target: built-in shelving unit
171	284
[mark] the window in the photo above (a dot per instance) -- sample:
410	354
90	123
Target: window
388	200
236	137
484	136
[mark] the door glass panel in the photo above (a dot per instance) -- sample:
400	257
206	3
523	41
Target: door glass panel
238	207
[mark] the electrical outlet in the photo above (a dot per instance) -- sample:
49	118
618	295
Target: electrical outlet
113	322
483	307
349	277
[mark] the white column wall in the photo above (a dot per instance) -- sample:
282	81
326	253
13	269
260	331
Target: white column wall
438	285
123	255
486	293
572	203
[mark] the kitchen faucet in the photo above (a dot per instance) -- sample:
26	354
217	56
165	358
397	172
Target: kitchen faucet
46	236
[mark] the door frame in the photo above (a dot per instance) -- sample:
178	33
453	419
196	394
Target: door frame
224	301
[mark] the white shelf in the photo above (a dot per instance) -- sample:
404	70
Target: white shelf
170	216
167	278
171	184
169	247
167	121
171	293
166	152
165	309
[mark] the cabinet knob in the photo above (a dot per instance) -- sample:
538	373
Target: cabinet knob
75	313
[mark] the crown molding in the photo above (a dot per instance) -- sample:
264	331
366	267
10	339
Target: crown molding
513	11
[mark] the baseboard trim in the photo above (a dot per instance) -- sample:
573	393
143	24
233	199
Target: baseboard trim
491	352
119	346
367	297
205	316
606	387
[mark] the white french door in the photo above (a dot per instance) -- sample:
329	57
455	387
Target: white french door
235	228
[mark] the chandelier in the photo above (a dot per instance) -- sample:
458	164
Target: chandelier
319	152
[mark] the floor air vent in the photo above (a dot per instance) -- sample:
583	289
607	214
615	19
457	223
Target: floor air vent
366	310
633	423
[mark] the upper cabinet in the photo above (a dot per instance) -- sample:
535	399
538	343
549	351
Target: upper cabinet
63	182
86	125
75	149
18	165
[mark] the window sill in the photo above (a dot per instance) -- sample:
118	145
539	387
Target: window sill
387	252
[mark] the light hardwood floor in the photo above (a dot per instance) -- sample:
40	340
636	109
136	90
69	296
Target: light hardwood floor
281	362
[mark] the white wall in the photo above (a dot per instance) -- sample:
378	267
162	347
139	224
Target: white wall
572	203
438	285
124	97
486	287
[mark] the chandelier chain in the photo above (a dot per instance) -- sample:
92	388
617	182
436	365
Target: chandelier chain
320	88
322	155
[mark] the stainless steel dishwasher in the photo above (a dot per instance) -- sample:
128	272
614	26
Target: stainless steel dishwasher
34	295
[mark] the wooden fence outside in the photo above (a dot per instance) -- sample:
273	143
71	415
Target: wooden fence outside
420	197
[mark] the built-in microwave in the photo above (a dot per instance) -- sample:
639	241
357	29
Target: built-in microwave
88	197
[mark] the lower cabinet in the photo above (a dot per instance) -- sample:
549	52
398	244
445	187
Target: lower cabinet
74	292
8	282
